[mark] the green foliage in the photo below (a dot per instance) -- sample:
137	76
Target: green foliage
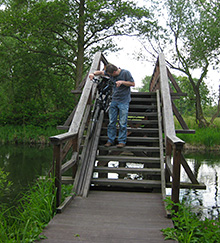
5	187
26	134
46	48
186	104
35	209
208	136
145	84
188	227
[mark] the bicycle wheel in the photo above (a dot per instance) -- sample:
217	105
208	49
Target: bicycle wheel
94	120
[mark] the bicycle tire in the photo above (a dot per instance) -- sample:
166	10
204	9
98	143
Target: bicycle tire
94	120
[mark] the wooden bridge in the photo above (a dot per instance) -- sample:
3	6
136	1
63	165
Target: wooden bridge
118	192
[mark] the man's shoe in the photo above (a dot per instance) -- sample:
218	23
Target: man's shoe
108	144
120	145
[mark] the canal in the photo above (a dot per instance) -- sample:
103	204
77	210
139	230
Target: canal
26	163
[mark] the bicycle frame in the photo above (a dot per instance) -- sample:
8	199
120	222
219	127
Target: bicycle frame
103	100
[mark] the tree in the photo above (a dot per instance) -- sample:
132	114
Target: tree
189	41
49	44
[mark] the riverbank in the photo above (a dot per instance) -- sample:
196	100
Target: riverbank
200	148
204	139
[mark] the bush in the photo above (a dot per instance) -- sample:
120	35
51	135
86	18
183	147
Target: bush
35	209
188	227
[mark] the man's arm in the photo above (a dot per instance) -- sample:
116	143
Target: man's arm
96	73
126	83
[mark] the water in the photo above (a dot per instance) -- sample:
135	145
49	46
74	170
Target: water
26	163
206	166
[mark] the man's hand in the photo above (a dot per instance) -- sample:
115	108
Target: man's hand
91	76
126	83
119	83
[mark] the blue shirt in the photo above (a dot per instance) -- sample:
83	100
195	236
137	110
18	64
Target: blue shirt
122	93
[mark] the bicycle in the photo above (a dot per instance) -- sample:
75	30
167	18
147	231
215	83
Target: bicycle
105	86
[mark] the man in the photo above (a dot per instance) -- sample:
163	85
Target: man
120	102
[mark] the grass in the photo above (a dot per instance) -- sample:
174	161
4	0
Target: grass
26	134
31	212
208	137
188	227
34	210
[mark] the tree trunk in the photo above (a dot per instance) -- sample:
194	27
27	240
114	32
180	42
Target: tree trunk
217	112
80	53
199	112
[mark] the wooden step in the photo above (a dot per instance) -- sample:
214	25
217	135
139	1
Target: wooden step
127	183
128	159
151	171
138	130
143	94
136	139
130	149
142	122
143	100
142	114
142	107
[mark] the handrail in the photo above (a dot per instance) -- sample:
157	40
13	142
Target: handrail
173	144
63	143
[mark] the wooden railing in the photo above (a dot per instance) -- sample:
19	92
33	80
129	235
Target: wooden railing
173	145
69	142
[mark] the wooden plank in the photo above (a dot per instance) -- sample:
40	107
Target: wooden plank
107	217
57	157
130	159
130	148
179	117
188	170
65	203
142	114
185	185
176	176
127	170
163	183
188	131
69	163
144	122
127	183
75	124
92	154
136	139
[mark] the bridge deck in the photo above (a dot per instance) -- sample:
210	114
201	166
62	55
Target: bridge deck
107	216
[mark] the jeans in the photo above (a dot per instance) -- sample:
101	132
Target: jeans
116	109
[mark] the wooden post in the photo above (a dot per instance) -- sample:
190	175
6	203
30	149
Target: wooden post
75	149
58	176
176	175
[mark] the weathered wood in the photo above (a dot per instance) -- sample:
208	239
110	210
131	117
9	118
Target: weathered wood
172	79
69	164
107	217
185	185
163	182
136	139
188	170
61	138
65	203
131	148
57	156
130	159
179	117
186	131
92	155
176	175
75	124
153	171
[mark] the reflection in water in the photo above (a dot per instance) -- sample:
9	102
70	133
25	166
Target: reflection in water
24	163
206	167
